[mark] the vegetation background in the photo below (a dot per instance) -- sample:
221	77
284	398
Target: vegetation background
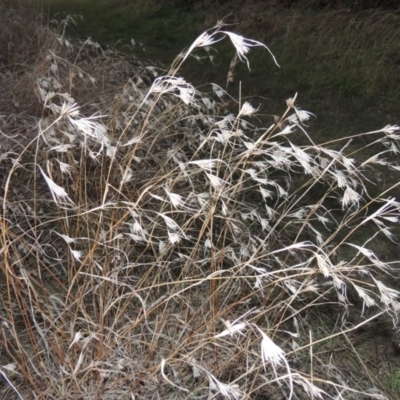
342	57
73	321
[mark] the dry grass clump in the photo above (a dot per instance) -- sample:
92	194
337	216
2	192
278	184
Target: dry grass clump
154	246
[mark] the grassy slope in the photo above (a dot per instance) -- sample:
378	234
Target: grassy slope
344	63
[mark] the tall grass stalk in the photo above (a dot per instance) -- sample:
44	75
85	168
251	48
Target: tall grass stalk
155	246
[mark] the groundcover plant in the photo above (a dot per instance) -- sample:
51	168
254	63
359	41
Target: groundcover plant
155	245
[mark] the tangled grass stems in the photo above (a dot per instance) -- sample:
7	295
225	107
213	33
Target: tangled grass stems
135	227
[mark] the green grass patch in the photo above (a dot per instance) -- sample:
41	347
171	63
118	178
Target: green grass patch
344	64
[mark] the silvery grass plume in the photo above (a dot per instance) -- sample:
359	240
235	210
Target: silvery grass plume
173	218
241	44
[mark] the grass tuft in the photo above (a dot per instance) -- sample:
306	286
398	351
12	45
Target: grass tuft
155	245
